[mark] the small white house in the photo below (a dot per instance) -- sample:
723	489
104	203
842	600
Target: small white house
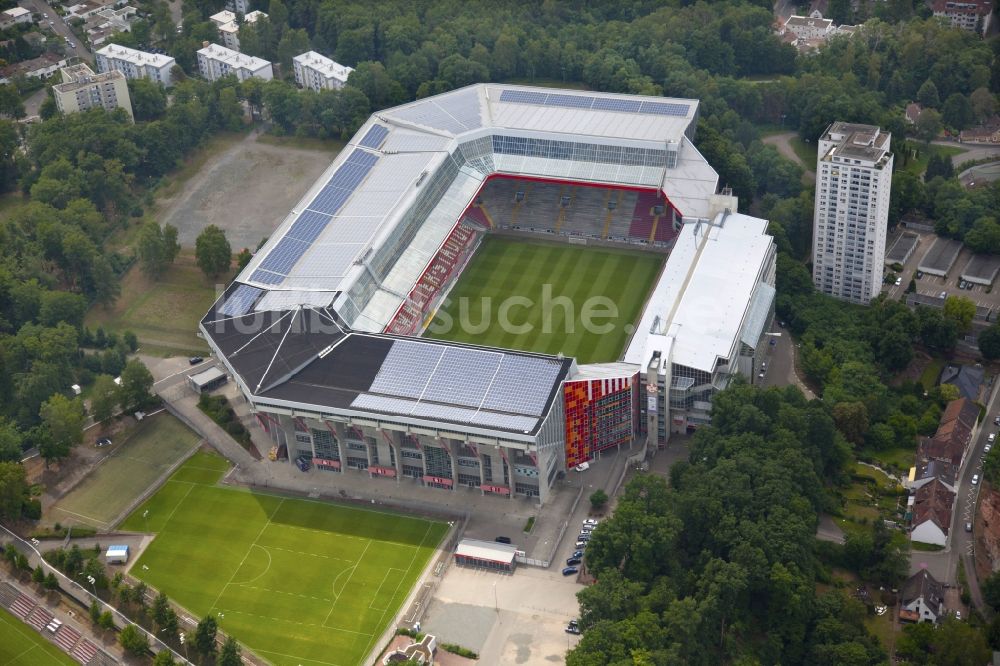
117	555
922	598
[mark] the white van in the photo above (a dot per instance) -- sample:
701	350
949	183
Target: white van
582	467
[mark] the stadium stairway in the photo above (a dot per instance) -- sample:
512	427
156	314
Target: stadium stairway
642	216
411	314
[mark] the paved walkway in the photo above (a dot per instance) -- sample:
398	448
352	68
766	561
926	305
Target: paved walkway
81	595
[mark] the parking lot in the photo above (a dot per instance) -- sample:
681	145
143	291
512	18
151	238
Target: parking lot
933	286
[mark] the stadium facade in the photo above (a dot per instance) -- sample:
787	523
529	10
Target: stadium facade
321	330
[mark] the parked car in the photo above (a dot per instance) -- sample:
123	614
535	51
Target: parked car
592	521
502	539
303	463
992	438
987	448
573	561
570	571
573	627
577	553
996	421
943	294
968	527
580	544
975	479
584	538
582	467
195	360
899	281
919	274
103	441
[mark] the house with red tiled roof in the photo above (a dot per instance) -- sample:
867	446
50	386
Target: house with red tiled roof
932	506
955	431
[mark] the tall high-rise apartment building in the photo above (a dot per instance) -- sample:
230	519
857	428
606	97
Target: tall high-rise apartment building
853	180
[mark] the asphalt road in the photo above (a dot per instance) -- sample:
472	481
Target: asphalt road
59	26
974	151
781	362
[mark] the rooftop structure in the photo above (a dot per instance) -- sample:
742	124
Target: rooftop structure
43	66
216	61
14	16
82	89
921	598
932	507
317	72
135	64
108	21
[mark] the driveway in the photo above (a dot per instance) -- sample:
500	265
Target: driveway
781	361
783	143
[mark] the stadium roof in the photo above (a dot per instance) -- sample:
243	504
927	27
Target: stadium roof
306	358
712	289
356	207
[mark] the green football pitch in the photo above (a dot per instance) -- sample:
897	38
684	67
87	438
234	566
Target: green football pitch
549	298
20	645
296	581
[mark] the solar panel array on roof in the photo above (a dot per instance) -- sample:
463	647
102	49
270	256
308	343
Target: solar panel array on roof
388	405
476	378
342	184
455	112
240	301
374	137
312	221
594	103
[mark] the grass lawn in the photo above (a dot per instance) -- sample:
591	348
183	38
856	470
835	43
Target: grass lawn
20	645
881	626
561	282
927	547
156	444
297	581
931	373
163	313
901	458
805	151
917	165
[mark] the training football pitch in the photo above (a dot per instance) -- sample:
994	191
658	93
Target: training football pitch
297	581
566	286
22	645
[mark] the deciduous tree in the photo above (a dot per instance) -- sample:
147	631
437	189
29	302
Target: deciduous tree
213	252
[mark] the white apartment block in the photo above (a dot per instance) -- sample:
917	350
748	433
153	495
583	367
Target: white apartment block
82	89
229	28
136	64
317	72
225	22
853	181
216	61
14	16
238	6
809	27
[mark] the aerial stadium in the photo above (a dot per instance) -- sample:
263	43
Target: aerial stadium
332	331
